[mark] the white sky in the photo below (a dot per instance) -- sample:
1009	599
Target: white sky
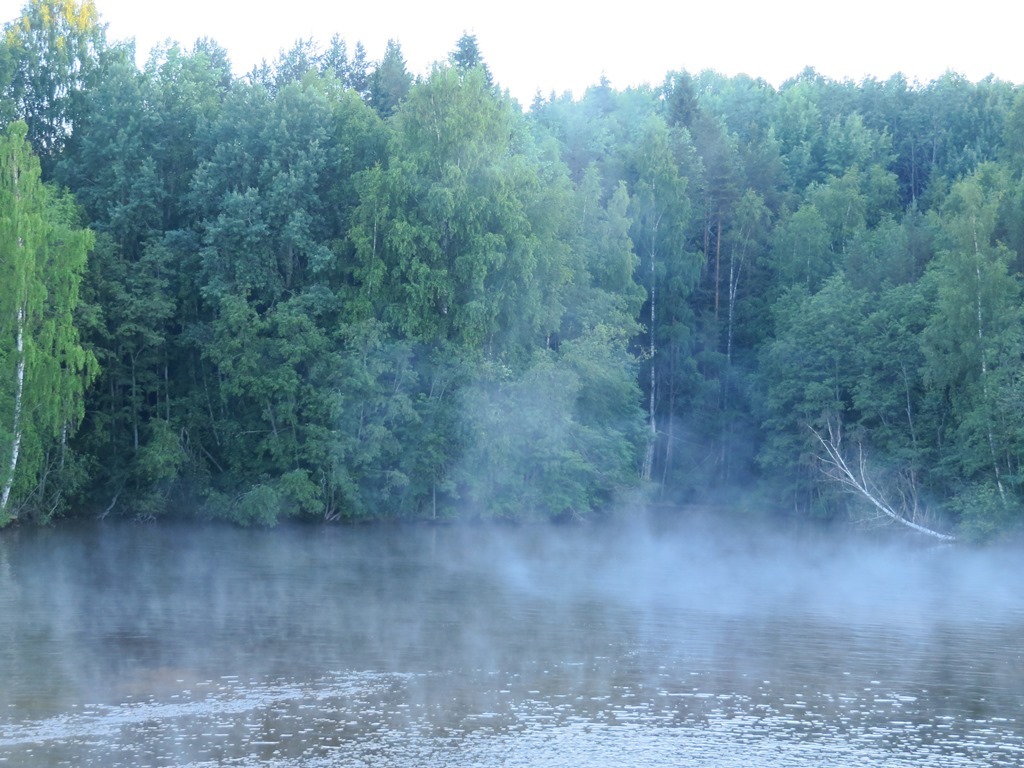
550	45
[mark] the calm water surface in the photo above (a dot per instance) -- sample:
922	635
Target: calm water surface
129	645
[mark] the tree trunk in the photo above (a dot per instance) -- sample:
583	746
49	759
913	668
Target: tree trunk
718	261
645	473
984	363
734	283
135	405
670	408
19	390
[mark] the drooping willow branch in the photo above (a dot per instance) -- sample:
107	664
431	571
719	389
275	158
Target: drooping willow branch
857	480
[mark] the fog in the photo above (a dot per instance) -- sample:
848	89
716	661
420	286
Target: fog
480	644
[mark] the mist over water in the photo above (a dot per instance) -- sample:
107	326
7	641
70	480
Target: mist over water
686	645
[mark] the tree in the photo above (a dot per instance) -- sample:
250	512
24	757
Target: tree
809	372
856	477
358	73
43	365
275	363
49	57
390	81
661	212
719	156
458	238
800	251
972	343
130	162
746	245
292	65
467	56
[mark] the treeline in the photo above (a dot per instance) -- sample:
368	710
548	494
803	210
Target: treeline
332	290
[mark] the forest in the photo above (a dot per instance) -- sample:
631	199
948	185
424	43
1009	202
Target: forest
332	290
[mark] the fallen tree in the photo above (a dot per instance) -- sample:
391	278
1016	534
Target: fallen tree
857	480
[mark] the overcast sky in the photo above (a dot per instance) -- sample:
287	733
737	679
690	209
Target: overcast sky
549	46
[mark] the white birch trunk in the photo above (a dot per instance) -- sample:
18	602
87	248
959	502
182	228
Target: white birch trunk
984	362
19	389
645	474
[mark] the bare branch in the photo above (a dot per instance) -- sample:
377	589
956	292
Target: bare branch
857	480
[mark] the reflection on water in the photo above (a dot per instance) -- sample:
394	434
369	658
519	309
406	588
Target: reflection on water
132	645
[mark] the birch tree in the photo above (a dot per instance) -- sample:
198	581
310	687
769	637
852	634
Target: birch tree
661	212
48	57
854	475
972	343
43	366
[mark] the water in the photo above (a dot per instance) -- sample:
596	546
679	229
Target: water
130	645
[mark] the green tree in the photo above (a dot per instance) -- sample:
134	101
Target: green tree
889	395
810	371
357	73
660	214
274	346
390	82
560	440
44	367
292	65
801	252
458	238
799	128
972	342
467	56
138	141
48	58
964	122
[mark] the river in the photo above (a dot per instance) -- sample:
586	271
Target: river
689	645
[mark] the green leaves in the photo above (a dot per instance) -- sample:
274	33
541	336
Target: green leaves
44	369
972	343
927	371
390	81
48	60
457	238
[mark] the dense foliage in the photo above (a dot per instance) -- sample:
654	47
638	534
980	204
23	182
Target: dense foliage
332	290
